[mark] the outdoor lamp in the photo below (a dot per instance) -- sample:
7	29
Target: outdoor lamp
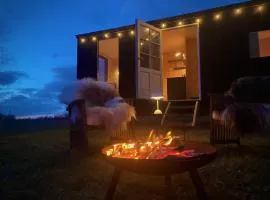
157	111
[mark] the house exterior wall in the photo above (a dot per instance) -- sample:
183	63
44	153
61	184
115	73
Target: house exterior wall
87	61
127	73
224	50
224	54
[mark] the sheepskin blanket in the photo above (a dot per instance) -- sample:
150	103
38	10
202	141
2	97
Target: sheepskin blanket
245	117
250	89
251	110
103	104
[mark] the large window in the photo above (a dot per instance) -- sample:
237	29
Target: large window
149	48
259	43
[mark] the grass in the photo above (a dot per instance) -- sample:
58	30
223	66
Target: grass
39	164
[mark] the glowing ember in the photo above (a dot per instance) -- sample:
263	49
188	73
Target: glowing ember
155	147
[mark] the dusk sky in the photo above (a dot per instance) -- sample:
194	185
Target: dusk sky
38	44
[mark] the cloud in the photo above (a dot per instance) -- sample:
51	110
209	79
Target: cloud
27	91
62	77
10	77
22	105
32	101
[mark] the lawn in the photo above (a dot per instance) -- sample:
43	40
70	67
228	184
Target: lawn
40	164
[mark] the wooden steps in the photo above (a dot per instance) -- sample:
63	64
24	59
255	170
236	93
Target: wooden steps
184	111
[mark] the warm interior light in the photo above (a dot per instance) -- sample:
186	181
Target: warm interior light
184	56
141	43
217	16
238	11
146	29
106	35
94	39
199	20
82	40
260	8
180	23
177	54
163	25
119	34
132	32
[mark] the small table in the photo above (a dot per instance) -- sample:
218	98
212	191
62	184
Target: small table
166	167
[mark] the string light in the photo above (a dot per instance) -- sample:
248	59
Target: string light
180	23
146	29
260	8
132	32
119	35
238	11
163	25
198	20
82	40
106	35
217	16
94	39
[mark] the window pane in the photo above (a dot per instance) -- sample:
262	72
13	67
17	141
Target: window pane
155	63
155	36
144	33
144	60
155	50
144	46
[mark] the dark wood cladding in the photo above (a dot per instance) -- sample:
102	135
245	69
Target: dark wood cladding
127	73
224	49
87	60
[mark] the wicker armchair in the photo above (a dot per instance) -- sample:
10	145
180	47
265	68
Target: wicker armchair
219	132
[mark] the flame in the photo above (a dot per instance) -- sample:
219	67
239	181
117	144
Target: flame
155	147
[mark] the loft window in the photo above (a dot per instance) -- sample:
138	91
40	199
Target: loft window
259	44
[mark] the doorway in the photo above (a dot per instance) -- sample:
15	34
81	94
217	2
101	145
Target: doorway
168	63
108	61
181	72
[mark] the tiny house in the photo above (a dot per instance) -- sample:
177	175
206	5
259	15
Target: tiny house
182	57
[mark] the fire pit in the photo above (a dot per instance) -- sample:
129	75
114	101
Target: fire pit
159	155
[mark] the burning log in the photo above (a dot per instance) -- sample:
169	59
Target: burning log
155	147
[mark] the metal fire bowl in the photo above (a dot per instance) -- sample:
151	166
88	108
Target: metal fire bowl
168	165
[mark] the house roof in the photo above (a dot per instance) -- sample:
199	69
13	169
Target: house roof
188	18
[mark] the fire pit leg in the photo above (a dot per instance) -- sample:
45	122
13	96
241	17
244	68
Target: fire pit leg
169	191
197	181
113	185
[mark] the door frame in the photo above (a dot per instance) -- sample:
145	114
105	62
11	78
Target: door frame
137	56
198	49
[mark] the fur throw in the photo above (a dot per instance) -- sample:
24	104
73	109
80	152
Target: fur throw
103	104
250	89
245	117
